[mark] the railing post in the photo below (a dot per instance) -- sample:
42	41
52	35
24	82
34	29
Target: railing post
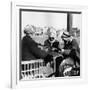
69	22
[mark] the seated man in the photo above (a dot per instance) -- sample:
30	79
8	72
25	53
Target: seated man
30	49
51	43
70	51
71	48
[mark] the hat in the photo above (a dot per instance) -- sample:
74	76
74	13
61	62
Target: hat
28	30
65	35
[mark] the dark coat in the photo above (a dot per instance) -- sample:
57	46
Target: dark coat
72	45
47	44
50	45
75	50
30	50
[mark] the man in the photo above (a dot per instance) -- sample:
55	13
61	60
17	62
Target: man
51	43
53	46
70	52
71	48
30	49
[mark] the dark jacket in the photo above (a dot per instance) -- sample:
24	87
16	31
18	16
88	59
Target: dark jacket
72	45
50	45
75	50
30	50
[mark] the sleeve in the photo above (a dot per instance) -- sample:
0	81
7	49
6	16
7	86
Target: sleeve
46	43
75	52
75	45
33	48
55	44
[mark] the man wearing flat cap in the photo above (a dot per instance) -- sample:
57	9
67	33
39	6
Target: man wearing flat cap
30	49
71	47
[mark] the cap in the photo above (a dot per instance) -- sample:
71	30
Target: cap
65	35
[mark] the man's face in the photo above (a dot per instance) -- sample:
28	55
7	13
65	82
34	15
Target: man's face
51	38
61	44
67	39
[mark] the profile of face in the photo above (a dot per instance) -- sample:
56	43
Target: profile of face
61	44
69	39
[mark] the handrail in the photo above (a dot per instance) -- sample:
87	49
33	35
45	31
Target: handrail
32	61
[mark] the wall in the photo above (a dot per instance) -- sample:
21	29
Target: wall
5	45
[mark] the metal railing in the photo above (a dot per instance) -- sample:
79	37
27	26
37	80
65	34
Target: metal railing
32	69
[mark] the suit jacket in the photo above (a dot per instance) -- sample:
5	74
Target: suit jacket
75	50
47	44
30	50
72	45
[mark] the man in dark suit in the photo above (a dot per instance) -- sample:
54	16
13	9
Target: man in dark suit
30	49
71	47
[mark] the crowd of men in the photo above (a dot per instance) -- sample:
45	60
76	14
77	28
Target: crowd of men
65	47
